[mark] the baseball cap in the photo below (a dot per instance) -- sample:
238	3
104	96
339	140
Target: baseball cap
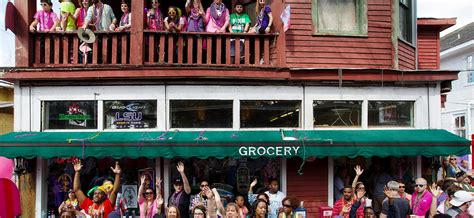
461	197
177	181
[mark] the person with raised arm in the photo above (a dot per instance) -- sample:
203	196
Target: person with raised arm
149	203
180	197
100	205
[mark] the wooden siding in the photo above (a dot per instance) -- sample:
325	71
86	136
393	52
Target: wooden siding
428	49
312	186
307	50
406	56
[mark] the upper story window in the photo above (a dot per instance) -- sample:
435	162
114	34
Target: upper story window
406	20
460	126
337	113
391	113
130	114
470	70
201	113
269	113
70	115
340	17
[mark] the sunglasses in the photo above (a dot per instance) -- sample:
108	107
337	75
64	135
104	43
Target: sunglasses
172	12
204	185
401	186
44	4
361	187
286	205
453	159
148	193
419	185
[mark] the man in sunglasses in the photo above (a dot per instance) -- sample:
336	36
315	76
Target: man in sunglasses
200	198
421	199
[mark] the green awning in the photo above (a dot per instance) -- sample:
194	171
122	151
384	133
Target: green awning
220	144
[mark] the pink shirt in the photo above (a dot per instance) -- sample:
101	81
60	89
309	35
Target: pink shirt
45	19
212	25
421	206
142	205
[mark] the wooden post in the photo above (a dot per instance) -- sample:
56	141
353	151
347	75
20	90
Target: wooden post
25	10
280	44
136	36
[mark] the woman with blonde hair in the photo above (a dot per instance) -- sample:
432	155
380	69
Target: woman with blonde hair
173	212
452	167
264	18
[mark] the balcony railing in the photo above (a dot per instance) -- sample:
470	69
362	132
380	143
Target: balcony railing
63	49
159	48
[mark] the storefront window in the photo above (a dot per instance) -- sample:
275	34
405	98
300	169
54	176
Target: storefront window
270	113
130	114
70	115
201	113
391	113
229	176
337	113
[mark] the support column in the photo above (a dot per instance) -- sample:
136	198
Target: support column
41	189
25	10
136	33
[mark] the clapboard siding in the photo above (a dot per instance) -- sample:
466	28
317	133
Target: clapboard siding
303	49
312	186
406	56
428	50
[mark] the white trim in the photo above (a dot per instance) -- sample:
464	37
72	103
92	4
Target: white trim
41	188
236	114
456	49
5	84
158	170
100	119
166	180
330	181
284	176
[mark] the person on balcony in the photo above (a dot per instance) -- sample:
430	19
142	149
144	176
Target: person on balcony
45	20
154	18
217	17
175	22
239	23
126	20
81	13
195	16
101	15
264	18
67	19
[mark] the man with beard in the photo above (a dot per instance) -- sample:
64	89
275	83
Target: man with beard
100	205
343	206
180	198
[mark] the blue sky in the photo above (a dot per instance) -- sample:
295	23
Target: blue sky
462	9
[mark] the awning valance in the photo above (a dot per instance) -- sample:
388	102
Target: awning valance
220	144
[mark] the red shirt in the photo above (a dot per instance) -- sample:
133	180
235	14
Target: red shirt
97	211
340	205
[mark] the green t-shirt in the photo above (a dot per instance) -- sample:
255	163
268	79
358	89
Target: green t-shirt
238	22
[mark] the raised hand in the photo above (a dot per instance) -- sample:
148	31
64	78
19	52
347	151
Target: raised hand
387	192
254	183
159	199
180	167
158	183
142	179
77	165
435	190
358	170
207	191
117	169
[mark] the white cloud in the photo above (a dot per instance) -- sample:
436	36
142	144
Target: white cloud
463	10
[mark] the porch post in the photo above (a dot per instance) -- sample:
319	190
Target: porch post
136	33
41	189
25	10
330	181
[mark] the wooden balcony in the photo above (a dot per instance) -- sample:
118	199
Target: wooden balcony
62	49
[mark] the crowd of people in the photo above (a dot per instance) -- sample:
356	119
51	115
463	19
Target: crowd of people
98	16
450	197
103	201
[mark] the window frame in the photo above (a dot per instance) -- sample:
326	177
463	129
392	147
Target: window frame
410	5
412	114
469	70
457	127
361	15
361	115
104	114
300	114
43	116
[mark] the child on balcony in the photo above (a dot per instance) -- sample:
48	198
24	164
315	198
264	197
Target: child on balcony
46	20
264	18
175	22
126	21
217	17
81	12
195	16
154	18
67	19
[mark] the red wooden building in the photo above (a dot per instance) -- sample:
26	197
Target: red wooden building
371	57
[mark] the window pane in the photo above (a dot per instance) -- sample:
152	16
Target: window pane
337	15
270	113
405	22
70	114
337	113
391	113
130	114
201	113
